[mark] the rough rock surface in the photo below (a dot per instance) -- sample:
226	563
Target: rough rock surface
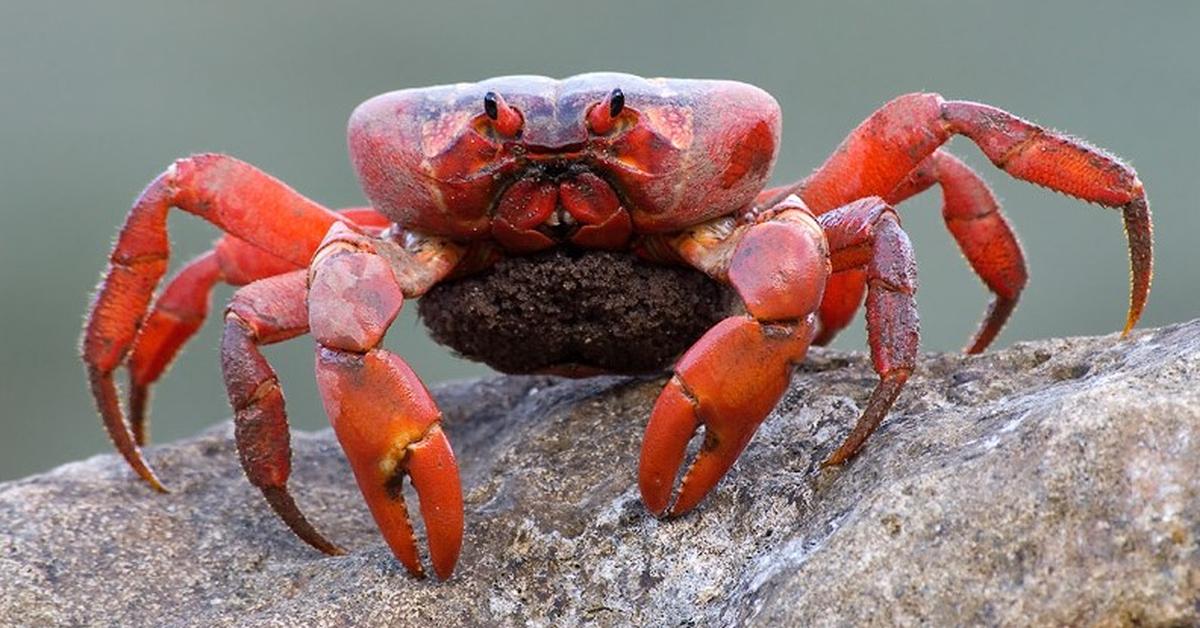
1056	482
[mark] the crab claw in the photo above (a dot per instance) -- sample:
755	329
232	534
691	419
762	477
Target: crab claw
728	382
388	425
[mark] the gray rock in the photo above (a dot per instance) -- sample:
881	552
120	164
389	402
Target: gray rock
1056	482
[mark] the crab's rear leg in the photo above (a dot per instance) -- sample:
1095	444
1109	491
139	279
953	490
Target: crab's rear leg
176	316
383	416
731	378
236	197
264	312
181	308
876	157
973	216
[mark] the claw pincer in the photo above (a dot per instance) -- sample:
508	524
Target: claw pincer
735	374
383	416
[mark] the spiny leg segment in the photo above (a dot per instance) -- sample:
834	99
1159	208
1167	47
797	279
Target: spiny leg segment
973	216
267	311
866	235
879	156
237	198
179	311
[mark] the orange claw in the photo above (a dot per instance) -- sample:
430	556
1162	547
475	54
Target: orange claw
388	426
735	374
728	381
383	416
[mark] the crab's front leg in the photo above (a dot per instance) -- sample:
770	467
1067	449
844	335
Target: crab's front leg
383	416
180	310
735	374
233	195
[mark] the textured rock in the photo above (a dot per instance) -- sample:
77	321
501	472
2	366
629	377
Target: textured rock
1056	482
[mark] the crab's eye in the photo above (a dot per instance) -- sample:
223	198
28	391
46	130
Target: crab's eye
505	118
490	105
603	116
616	102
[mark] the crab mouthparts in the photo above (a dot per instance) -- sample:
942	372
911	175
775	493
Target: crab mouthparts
555	204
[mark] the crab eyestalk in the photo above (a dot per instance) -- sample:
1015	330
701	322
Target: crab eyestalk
602	117
507	119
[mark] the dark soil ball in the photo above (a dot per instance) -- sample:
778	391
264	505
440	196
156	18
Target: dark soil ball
585	311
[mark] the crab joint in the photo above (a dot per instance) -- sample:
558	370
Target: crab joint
353	299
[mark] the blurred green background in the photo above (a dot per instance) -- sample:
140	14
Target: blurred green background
97	98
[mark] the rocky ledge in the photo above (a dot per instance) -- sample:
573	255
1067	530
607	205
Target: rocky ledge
1055	482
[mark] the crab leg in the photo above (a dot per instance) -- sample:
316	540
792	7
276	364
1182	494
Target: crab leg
876	157
731	378
866	235
973	217
383	416
267	311
233	195
175	317
180	310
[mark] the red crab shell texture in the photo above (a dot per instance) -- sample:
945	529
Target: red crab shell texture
684	151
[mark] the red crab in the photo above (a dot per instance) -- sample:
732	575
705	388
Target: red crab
670	171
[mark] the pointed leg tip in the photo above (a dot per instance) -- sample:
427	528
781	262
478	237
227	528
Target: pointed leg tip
281	501
686	501
444	550
138	398
833	461
678	510
656	510
329	549
143	470
837	458
413	567
105	393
